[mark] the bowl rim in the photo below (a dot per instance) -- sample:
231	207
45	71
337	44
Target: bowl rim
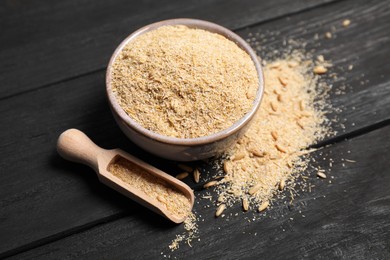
191	23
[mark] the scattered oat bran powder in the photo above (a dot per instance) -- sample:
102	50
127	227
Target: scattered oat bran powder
272	150
191	226
184	82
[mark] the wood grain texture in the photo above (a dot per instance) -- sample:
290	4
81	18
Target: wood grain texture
344	219
361	93
51	41
58	198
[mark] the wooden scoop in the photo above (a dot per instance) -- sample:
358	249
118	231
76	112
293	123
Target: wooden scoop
75	146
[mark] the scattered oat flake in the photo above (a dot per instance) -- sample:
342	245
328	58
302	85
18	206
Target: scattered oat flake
245	204
282	81
281	148
274	135
263	206
254	189
258	153
238	156
196	175
320	69
328	35
346	22
210	184
282	184
322	175
182	175
220	209
301	105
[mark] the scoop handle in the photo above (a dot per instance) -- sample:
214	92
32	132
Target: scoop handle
75	146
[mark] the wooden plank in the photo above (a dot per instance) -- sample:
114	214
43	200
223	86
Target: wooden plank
63	197
52	41
347	218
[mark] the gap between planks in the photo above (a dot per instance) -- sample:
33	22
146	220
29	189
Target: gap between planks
62	235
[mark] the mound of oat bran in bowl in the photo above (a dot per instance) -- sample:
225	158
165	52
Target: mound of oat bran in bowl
184	82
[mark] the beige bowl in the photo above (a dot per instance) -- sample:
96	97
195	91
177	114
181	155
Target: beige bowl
184	149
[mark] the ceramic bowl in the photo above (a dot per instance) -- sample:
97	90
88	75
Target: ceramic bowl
184	149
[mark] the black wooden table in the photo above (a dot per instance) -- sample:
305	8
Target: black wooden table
53	56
